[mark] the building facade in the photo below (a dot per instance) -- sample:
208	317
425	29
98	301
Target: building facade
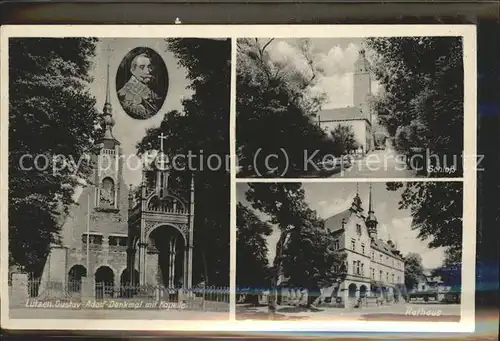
373	267
359	117
117	237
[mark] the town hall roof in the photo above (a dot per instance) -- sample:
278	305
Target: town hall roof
334	223
341	114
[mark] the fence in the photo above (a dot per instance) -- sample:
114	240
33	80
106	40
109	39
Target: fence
207	298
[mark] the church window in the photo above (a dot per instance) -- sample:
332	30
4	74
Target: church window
107	193
336	244
363	248
353	244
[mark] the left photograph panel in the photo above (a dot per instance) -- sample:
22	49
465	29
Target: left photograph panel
119	179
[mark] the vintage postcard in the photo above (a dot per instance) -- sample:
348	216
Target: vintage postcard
214	178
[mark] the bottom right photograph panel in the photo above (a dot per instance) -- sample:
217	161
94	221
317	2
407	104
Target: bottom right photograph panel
367	251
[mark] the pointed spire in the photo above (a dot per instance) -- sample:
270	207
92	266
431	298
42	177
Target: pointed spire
370	207
371	220
107	121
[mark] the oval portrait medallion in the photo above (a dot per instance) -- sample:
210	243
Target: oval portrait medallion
142	83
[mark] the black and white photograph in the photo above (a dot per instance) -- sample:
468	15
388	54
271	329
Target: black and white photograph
107	219
375	107
368	251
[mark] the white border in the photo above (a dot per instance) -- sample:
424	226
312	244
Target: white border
468	32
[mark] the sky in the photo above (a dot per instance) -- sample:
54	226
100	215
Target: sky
128	130
336	56
328	199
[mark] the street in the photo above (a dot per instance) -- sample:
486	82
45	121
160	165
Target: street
402	312
378	164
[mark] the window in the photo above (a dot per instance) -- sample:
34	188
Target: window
373	273
94	239
380	274
398	279
380	258
358	229
387	277
373	255
353	244
362	269
357	268
392	278
336	244
387	260
354	267
363	248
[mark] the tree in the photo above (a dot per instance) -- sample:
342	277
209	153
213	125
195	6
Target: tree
421	104
451	269
52	117
343	139
436	209
202	130
252	266
275	109
414	270
309	261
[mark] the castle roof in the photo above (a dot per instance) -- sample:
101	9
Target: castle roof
341	114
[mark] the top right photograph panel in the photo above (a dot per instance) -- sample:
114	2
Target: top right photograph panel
390	107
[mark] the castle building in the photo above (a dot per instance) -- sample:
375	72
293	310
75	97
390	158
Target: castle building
115	238
358	117
373	267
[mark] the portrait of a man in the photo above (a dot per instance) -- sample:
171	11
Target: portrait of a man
143	93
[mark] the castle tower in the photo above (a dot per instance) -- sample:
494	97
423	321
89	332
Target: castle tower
371	220
362	85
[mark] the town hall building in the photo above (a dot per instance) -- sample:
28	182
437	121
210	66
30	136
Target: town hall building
373	267
358	117
116	236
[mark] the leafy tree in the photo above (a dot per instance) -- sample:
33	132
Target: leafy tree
275	109
202	130
309	262
451	269
51	113
343	139
422	102
436	209
252	266
414	270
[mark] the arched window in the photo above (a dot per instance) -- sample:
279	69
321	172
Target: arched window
107	198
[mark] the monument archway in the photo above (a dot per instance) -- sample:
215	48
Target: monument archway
170	244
